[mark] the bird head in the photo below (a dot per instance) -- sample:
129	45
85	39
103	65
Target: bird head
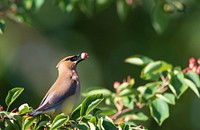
70	62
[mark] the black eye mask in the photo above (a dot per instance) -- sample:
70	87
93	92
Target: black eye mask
75	58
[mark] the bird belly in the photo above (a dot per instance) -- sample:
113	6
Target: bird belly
68	104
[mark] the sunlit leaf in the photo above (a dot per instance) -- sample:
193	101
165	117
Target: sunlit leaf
193	82
24	108
153	70
140	116
128	102
90	103
108	111
151	89
97	90
124	126
92	126
177	83
138	60
107	124
167	97
27	123
76	112
82	126
192	86
12	95
159	110
59	120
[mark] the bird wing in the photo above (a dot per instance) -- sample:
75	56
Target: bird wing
53	99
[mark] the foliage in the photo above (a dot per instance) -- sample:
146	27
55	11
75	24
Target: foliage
162	10
122	108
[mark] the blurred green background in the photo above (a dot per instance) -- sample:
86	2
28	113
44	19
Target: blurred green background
29	54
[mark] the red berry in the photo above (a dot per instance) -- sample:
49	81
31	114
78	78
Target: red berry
192	60
116	84
84	55
198	61
198	70
192	65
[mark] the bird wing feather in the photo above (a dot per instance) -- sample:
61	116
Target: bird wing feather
52	99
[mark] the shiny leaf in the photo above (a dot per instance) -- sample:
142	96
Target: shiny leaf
177	83
12	95
167	97
153	70
159	110
139	60
90	103
58	121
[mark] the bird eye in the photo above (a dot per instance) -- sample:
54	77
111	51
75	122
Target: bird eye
73	58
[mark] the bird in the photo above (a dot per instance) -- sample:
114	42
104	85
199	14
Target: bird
63	94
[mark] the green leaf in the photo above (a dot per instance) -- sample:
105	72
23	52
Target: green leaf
2	26
27	123
153	70
59	120
97	90
24	108
122	9
149	90
76	112
135	116
92	126
108	111
167	97
138	60
192	86
82	126
128	102
194	77
123	86
140	116
124	126
107	124
159	110
41	124
128	92
90	103
193	81
160	18
11	125
177	83
12	96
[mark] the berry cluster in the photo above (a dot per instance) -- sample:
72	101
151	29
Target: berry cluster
194	65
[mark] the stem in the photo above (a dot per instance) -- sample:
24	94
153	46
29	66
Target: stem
7	108
113	117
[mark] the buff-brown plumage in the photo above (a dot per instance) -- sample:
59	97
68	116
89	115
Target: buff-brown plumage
63	94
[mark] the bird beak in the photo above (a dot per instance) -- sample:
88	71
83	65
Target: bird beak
82	57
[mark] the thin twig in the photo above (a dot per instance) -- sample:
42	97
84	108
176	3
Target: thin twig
113	117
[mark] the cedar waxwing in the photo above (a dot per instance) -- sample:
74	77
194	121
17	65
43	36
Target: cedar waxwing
63	94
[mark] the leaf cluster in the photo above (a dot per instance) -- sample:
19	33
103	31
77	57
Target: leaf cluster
162	10
120	109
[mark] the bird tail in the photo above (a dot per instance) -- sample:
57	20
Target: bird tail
35	113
